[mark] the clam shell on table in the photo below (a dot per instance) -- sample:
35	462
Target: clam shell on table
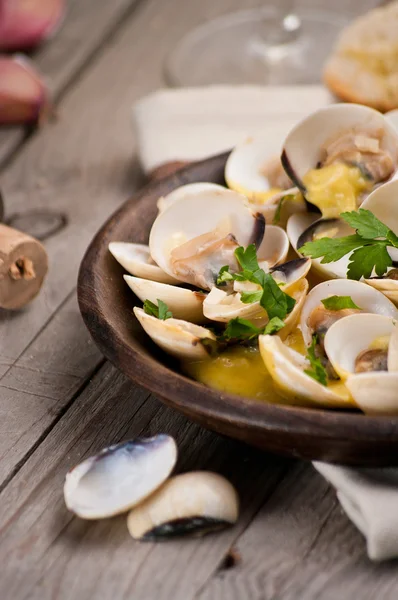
178	338
192	504
356	348
365	297
303	145
119	477
136	259
203	230
183	304
184	191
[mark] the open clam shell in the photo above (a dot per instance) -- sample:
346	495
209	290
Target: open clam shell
222	211
184	191
287	367
274	247
136	259
372	378
183	304
175	336
290	272
119	477
307	227
192	504
365	297
302	147
350	336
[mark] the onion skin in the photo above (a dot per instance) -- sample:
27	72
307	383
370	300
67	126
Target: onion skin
24	98
24	24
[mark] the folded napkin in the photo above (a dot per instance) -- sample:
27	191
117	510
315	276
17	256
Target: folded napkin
190	124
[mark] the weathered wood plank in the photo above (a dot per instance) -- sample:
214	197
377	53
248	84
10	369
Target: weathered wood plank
87	26
48	553
37	388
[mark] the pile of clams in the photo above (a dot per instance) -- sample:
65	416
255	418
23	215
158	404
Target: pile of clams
134	476
191	276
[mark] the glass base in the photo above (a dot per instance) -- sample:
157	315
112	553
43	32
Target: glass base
256	46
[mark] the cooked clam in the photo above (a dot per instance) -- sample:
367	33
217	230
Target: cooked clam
315	318
288	273
337	155
119	477
193	239
181	339
184	304
183	191
274	247
392	117
287	369
192	504
364	351
136	259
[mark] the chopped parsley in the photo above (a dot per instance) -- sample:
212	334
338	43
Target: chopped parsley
160	311
317	371
339	303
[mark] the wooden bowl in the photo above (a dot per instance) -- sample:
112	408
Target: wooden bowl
106	304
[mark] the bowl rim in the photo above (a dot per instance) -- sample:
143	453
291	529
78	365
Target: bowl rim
195	397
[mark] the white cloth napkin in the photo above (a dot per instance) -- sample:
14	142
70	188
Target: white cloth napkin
190	124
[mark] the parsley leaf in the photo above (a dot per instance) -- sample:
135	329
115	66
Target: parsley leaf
240	329
332	249
250	297
317	371
366	224
274	325
224	276
161	311
247	259
339	303
274	300
364	260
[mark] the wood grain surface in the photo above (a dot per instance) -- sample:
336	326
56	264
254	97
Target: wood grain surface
59	402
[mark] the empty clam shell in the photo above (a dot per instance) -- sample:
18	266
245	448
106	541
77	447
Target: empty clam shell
184	191
273	248
183	304
290	272
136	259
177	337
119	477
191	504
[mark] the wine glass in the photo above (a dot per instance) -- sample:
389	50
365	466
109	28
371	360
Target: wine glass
271	45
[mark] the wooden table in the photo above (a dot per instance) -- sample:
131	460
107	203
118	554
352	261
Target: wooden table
60	401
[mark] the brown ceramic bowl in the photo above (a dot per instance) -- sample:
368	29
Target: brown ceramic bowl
106	304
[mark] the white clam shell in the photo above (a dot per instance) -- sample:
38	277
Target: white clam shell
175	336
135	258
184	304
296	225
119	477
375	395
184	191
364	296
290	272
351	335
392	117
198	214
274	248
301	151
188	504
299	292
286	368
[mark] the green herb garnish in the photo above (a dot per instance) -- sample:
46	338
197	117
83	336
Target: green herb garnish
339	303
277	215
242	330
271	297
368	245
317	371
161	311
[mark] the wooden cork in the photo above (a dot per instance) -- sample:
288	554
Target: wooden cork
23	267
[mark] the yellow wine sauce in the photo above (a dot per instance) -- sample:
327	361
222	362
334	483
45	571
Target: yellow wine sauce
240	370
336	188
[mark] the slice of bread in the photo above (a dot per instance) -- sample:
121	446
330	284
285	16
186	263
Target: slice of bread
363	67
